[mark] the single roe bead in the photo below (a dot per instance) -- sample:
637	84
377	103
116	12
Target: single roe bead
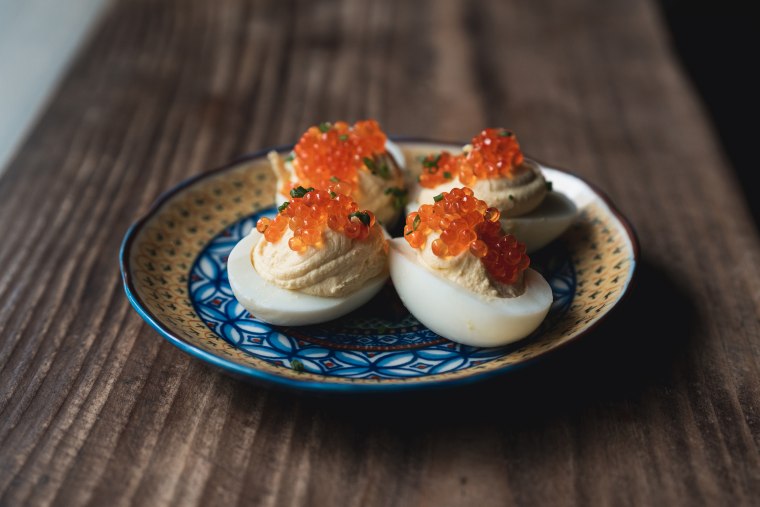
263	224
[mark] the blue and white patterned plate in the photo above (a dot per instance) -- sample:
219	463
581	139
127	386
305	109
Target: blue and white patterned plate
174	268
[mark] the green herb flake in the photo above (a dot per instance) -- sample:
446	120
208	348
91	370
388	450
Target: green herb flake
297	365
549	186
299	191
363	217
334	179
370	164
438	198
505	133
343	137
432	163
282	207
382	171
416	222
399	196
447	175
324	127
290	157
511	197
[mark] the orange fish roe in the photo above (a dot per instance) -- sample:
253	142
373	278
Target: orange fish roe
437	169
467	223
495	154
309	212
333	152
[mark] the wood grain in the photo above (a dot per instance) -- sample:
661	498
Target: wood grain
661	406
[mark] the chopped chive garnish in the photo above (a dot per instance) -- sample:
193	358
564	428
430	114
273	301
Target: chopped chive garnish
324	126
511	197
363	217
370	164
333	195
438	197
399	196
343	137
432	163
505	133
549	186
395	191
282	207
296	365
299	191
290	157
383	171
447	175
334	179
416	222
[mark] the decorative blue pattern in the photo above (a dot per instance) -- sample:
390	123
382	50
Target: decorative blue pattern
379	340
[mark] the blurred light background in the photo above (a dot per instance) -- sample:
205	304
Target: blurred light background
37	40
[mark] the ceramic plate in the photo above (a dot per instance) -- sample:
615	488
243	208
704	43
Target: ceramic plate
173	266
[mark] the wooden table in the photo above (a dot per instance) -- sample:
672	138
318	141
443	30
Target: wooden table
660	406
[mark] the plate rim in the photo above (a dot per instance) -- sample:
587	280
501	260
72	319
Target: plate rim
252	373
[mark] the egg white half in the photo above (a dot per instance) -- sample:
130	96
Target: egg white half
461	315
284	307
545	223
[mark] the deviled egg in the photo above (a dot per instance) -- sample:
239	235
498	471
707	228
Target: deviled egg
318	259
460	275
357	160
494	167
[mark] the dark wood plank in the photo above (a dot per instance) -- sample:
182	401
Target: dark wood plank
659	407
